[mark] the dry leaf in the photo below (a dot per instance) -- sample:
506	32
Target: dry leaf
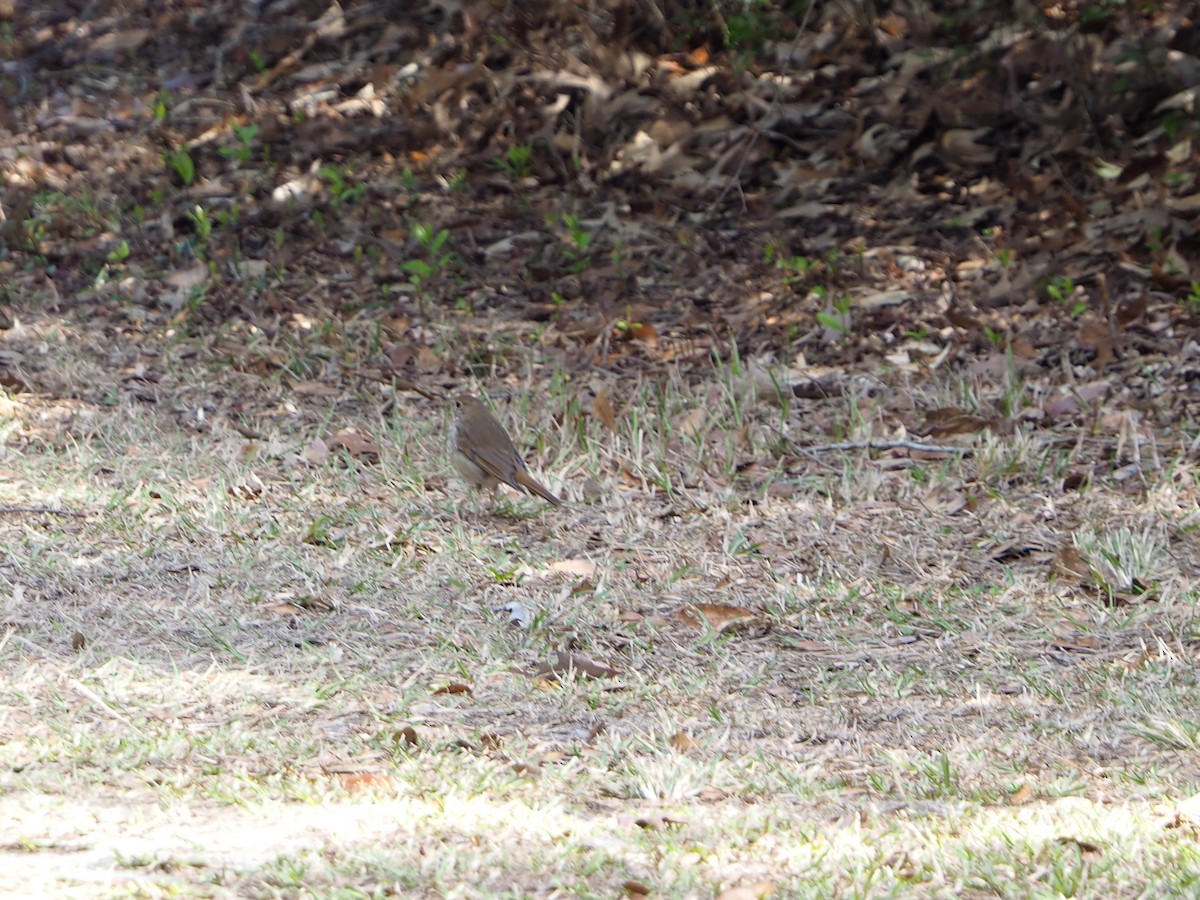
353	782
1139	592
691	423
118	41
965	146
1132	310
316	452
756	384
291	604
428	360
630	479
455	688
316	389
565	663
592	489
1022	795
948	422
806	646
283	608
603	408
682	741
717	616
960	319
1070	401
640	331
580	567
405	737
587	586
354	443
760	890
186	279
945	499
882	299
894	24
1099	337
1069	563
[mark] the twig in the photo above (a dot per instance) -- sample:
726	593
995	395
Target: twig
404	384
39	510
883	445
101	702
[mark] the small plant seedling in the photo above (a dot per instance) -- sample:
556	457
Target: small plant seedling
160	107
839	320
246	135
517	161
419	270
337	180
796	268
202	221
1062	290
180	162
996	337
576	249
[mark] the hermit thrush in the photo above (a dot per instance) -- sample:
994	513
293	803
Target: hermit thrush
483	453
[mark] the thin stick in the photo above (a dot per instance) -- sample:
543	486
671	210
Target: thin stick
883	445
39	510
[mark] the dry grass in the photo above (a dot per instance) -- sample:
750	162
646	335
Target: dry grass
923	702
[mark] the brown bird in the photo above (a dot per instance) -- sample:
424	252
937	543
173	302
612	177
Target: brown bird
483	453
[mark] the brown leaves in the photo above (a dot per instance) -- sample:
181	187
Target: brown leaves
358	782
1071	401
1069	563
579	567
603	408
636	331
717	616
682	742
116	42
357	445
949	422
568	664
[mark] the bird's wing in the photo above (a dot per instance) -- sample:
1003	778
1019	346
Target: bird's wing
496	462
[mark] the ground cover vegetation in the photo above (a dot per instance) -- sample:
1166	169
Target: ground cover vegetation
857	338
